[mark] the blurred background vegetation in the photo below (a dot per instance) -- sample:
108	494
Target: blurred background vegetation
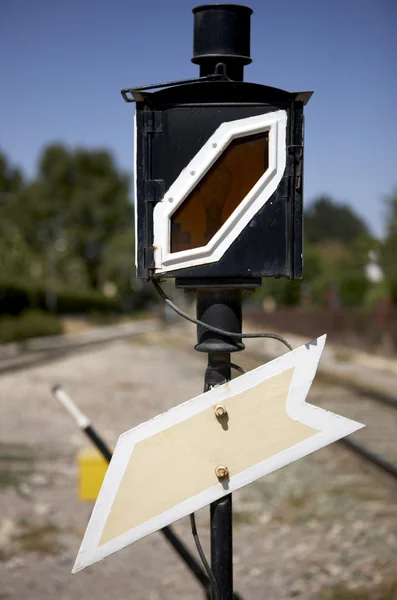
66	243
344	264
67	248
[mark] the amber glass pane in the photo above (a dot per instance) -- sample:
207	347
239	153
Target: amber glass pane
219	192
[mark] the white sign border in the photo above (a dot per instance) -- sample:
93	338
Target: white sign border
331	427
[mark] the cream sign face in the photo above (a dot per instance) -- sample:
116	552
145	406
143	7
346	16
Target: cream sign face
191	455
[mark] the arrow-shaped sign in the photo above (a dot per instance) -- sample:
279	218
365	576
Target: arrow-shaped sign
207	447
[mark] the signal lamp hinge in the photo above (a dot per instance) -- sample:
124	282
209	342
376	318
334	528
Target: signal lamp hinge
149	258
154	190
296	152
153	121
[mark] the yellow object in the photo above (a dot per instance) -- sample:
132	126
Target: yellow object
92	469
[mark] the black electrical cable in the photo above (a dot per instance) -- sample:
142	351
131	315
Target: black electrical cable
227	364
211	576
231	334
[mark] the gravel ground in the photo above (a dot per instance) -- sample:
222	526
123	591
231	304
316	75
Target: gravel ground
324	527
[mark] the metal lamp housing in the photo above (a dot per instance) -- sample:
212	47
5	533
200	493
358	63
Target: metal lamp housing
181	135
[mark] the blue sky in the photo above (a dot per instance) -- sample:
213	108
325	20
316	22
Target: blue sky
64	62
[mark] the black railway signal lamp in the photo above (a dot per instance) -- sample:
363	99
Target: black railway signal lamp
219	164
218	170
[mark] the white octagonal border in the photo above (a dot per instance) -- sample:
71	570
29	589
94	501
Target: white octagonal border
275	123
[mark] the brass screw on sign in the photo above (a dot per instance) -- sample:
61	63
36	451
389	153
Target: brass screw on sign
222	472
220	410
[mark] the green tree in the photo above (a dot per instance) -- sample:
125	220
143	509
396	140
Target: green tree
11	179
16	257
99	207
78	201
326	220
342	242
342	271
118	269
388	251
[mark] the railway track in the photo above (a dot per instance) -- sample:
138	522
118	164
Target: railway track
33	352
377	442
371	456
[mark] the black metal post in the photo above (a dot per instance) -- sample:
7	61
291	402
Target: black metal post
222	545
220	308
221	45
221	511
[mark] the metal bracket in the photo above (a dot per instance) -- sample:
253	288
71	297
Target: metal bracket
296	151
152	121
149	258
134	95
154	190
298	168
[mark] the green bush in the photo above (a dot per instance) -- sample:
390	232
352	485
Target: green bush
376	293
29	324
352	289
77	302
284	291
17	296
392	285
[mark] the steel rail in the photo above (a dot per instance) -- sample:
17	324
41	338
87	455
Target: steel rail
58	349
371	456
